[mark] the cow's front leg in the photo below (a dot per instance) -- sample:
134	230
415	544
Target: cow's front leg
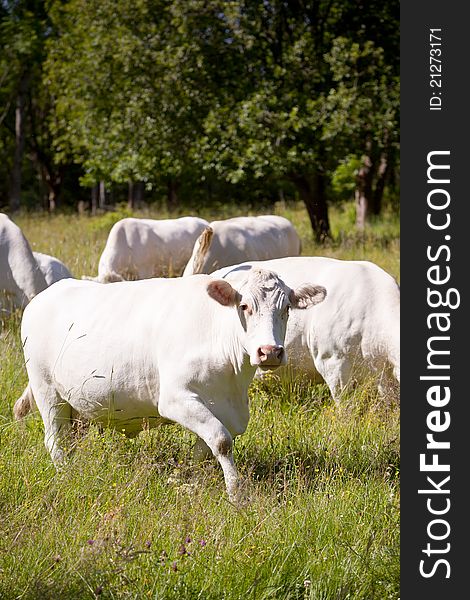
188	410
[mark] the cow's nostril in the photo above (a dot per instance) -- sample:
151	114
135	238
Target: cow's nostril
270	353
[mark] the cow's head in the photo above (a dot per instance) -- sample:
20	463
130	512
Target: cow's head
263	301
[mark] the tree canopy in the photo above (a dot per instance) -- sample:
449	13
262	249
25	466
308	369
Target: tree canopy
299	96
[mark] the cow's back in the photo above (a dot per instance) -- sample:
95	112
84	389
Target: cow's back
144	248
250	238
20	276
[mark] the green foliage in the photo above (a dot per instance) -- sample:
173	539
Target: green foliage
234	91
344	176
126	113
103	223
365	99
247	99
306	93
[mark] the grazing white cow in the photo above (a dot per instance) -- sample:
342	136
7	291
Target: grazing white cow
236	240
52	268
139	353
353	334
145	248
20	277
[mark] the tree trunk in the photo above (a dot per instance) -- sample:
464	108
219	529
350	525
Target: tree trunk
15	183
130	195
52	197
363	192
52	179
139	193
101	195
172	196
94	199
135	195
382	174
312	192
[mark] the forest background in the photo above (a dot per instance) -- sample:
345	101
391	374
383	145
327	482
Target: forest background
183	104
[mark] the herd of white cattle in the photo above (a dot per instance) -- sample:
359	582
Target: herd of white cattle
192	312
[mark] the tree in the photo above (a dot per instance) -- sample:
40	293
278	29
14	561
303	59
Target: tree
364	105
129	112
280	91
24	27
288	112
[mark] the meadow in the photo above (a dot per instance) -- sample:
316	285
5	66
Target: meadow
136	519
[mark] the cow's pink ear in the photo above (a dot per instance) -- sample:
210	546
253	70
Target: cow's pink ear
222	292
307	295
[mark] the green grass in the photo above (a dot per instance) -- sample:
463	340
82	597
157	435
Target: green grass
136	519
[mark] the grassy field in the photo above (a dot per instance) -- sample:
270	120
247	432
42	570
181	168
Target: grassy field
136	519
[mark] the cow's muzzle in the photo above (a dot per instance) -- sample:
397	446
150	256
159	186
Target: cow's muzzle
270	356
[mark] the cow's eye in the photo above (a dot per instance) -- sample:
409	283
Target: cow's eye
244	306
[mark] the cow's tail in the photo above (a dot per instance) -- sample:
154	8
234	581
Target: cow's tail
25	404
201	246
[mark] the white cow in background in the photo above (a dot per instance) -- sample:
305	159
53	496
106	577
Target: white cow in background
20	276
236	240
52	268
136	354
353	334
145	248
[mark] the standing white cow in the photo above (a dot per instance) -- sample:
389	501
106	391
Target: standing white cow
236	240
145	248
20	276
353	334
143	352
52	268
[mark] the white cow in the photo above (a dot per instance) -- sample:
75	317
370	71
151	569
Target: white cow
52	268
353	334
145	248
140	353
236	240
20	277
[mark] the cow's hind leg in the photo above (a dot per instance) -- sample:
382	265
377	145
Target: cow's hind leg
188	410
57	418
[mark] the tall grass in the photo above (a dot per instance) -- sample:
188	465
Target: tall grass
135	518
